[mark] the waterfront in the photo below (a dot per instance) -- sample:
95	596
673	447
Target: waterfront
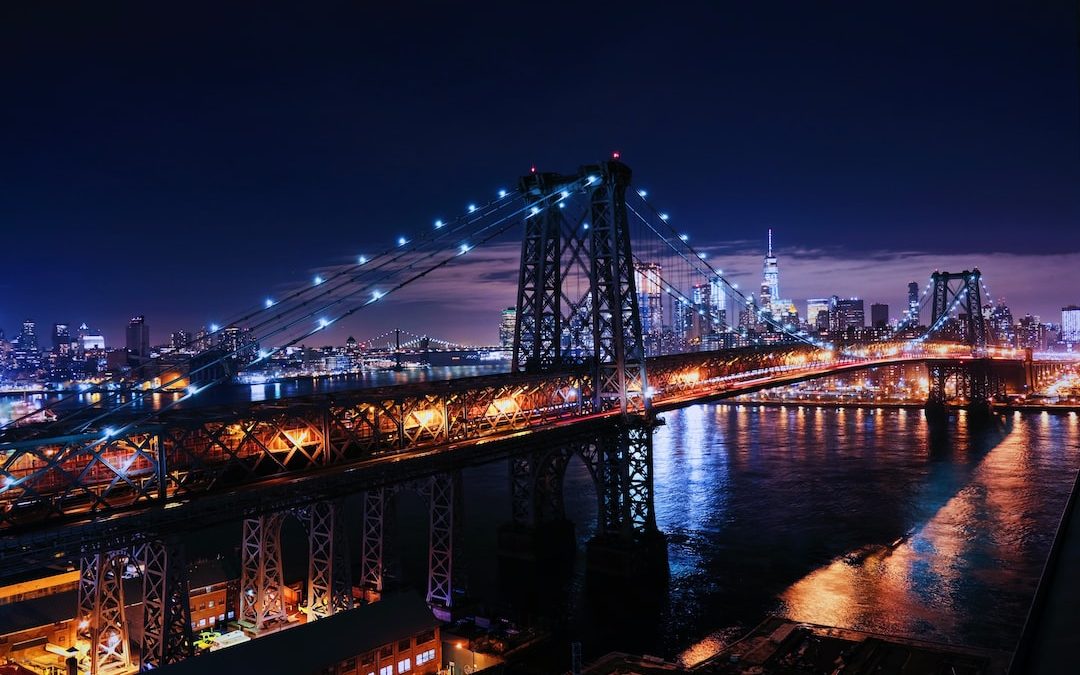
856	518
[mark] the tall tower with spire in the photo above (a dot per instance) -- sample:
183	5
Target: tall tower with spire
770	283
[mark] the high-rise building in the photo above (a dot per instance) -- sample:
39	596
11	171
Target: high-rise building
879	315
648	281
61	338
181	339
138	337
847	313
913	304
239	342
999	324
770	283
815	306
28	337
506	327
1070	324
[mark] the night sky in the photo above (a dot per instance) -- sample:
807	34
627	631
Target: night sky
182	160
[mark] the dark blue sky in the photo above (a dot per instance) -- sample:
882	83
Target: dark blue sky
179	160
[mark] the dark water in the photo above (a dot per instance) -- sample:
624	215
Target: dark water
798	512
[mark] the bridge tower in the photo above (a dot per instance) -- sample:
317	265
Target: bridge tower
975	379
612	352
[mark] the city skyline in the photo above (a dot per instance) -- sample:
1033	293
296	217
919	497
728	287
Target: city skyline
481	286
979	124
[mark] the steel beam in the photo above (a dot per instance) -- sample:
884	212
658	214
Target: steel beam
101	624
441	493
166	604
329	581
261	583
371	540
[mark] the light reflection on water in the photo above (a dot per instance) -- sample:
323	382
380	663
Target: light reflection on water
856	518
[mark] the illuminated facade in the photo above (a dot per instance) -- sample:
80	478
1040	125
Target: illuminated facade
647	280
138	337
770	283
913	303
1070	324
814	307
506	327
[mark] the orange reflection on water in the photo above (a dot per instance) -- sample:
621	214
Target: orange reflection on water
909	586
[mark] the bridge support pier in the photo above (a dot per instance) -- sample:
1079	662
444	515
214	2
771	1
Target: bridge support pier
444	493
166	605
974	381
371	542
329	582
629	544
261	583
101	623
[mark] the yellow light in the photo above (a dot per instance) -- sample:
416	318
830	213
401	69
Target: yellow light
504	405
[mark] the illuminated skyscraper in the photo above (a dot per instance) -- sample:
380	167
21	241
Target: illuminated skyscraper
913	303
28	337
647	280
506	327
815	306
770	283
61	338
847	313
1070	324
138	337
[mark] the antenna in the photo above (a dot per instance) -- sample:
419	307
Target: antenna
770	242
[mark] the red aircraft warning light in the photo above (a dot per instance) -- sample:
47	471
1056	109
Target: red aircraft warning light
615	155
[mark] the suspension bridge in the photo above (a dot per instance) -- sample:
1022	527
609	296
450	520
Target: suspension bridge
118	480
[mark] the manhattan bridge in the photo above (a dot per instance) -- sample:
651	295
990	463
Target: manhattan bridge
116	483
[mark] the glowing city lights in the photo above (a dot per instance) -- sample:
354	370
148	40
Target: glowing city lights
439	224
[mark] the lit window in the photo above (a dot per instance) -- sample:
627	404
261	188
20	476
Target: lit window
404	665
221	617
386	670
212	620
202	622
210	604
193	625
424	657
232	614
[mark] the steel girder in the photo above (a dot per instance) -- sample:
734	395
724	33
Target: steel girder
261	582
166	604
100	622
47	481
329	581
371	540
618	351
444	491
521	489
538	326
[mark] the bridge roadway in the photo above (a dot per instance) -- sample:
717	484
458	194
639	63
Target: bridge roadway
189	467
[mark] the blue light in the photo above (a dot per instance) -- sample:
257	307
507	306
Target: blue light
362	260
214	328
664	216
318	280
642	193
109	432
472	207
323	323
534	210
438	224
192	390
701	255
269	303
402	241
585	226
464	248
562	205
564	194
502	193
684	237
375	295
